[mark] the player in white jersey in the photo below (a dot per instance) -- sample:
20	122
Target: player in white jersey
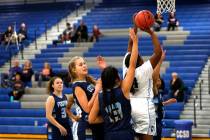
143	109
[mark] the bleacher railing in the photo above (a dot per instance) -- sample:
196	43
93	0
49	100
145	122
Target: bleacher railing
209	79
194	111
200	93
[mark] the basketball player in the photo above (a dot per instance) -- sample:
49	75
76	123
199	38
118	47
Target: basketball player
113	105
72	116
158	100
143	109
84	93
56	111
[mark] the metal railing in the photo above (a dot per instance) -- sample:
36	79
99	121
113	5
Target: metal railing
194	111
209	79
200	93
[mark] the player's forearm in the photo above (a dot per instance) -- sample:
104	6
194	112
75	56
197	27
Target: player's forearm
157	46
53	121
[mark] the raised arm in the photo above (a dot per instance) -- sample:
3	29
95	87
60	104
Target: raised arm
157	48
156	71
127	82
130	41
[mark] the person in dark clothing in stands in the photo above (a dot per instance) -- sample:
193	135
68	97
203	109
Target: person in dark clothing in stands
46	72
17	88
56	114
158	22
176	87
172	22
14	70
82	32
22	33
67	33
9	36
27	73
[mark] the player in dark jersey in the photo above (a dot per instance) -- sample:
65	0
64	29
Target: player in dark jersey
84	93
113	105
56	111
158	100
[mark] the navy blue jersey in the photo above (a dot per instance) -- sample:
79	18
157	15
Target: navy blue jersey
116	115
158	101
97	129
59	110
89	89
60	115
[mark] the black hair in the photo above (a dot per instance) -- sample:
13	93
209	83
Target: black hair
138	63
109	78
127	61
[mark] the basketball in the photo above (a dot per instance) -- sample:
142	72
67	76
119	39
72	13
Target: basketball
144	19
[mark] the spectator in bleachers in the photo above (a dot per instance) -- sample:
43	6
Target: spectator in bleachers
9	36
176	87
15	69
158	22
17	88
66	36
59	40
46	72
67	33
27	73
74	34
22	33
82	32
172	21
95	34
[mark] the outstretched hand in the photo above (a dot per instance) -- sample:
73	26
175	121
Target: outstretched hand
133	35
101	62
163	56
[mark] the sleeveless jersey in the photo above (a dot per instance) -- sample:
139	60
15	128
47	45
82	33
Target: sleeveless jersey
89	90
117	115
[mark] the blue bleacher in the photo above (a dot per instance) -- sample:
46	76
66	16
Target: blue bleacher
30	14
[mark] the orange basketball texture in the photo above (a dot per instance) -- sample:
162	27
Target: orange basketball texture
144	19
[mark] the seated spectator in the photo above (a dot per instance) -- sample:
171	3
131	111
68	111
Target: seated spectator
22	33
27	73
74	34
172	22
95	34
59	40
67	33
9	36
17	88
82	32
46	72
158	22
14	70
65	36
176	87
